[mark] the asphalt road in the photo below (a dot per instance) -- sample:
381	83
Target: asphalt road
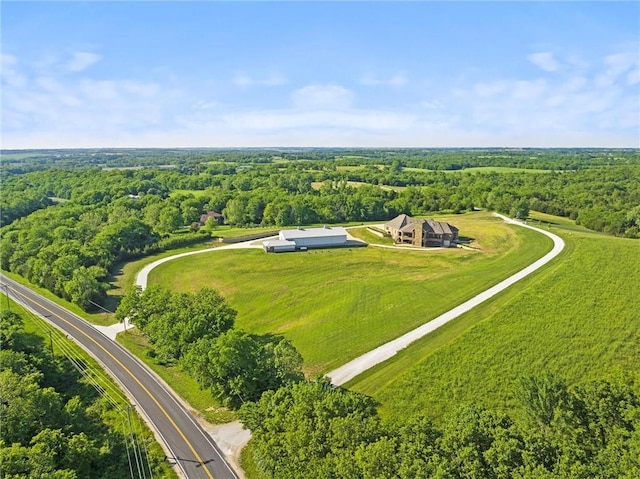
186	443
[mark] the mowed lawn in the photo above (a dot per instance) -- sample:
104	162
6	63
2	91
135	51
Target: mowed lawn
337	304
579	317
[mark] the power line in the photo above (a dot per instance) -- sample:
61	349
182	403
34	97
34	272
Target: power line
102	383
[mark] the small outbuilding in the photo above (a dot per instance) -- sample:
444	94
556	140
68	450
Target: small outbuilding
278	246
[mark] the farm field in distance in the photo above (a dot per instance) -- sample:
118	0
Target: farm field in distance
337	304
577	317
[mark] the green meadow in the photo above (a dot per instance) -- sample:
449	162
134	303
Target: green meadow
484	169
578	317
316	185
336	304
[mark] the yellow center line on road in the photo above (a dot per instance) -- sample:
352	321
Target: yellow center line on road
197	456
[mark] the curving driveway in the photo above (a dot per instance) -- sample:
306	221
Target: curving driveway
231	438
360	364
143	275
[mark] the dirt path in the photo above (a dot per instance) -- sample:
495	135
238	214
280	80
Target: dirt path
360	364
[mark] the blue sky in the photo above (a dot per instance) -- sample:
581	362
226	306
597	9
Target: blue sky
428	74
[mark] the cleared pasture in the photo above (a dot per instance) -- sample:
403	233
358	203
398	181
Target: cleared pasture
577	317
316	185
336	304
483	169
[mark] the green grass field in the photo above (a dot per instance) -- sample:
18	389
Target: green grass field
316	185
485	169
500	169
577	317
195	193
337	304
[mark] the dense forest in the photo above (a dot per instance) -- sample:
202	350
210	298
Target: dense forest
309	430
69	216
55	422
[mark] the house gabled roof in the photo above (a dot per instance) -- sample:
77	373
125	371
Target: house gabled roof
210	214
410	227
399	222
440	227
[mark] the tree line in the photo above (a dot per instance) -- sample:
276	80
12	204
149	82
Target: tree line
196	331
310	430
22	161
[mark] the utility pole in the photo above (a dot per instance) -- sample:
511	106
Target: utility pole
6	292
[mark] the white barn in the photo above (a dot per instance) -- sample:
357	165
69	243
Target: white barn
303	238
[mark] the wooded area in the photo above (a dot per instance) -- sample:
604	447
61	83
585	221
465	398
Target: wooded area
309	430
196	331
57	423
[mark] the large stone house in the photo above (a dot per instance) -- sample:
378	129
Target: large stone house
406	230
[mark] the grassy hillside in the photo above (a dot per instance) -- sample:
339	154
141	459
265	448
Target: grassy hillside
578	317
337	304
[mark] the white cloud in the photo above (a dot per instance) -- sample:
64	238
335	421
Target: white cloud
528	90
44	106
430	104
273	79
578	102
141	89
274	120
323	97
485	90
82	60
99	90
205	105
242	80
617	64
48	83
48	102
633	77
397	80
575	83
545	61
9	72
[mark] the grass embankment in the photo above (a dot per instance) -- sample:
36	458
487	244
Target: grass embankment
101	318
337	304
577	317
368	236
